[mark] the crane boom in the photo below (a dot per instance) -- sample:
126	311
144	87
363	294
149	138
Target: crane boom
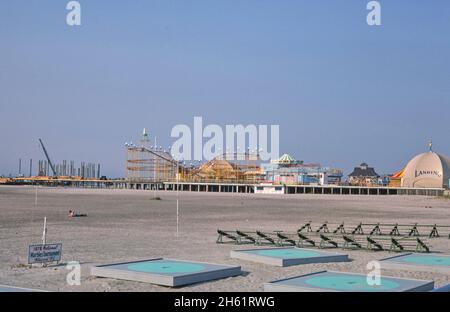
48	158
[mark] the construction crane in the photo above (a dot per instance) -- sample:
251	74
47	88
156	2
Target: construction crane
48	158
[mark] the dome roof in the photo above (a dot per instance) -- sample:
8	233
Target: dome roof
427	170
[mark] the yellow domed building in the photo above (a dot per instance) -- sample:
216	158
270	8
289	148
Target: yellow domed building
426	170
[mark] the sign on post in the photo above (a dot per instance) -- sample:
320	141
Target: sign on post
44	253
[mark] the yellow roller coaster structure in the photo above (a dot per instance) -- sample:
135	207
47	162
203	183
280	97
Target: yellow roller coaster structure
156	165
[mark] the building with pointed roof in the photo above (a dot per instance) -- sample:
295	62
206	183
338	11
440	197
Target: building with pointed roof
363	175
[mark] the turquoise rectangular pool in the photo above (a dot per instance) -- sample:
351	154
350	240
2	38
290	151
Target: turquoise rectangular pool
329	281
439	263
166	272
287	256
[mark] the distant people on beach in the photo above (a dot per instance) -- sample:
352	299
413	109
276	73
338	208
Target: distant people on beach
72	214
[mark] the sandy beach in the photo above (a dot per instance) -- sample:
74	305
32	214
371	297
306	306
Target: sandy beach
128	225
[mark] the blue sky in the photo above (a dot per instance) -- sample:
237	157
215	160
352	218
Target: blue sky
341	91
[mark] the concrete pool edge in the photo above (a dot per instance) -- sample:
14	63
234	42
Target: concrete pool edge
223	271
9	288
325	257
